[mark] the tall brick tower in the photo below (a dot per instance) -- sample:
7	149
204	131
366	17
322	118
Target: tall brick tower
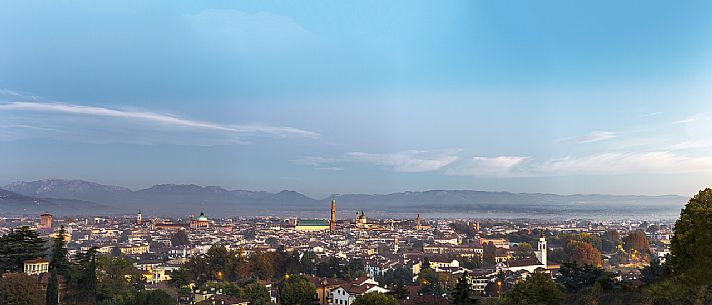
332	224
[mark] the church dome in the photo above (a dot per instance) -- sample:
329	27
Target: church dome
202	217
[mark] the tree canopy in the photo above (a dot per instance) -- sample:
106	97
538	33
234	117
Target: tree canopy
691	245
374	298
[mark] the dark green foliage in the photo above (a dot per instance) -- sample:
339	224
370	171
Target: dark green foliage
538	289
296	290
180	238
524	251
655	272
461	292
152	297
399	291
575	278
489	252
118	280
19	245
52	294
398	275
374	298
470	262
20	289
257	294
429	280
691	245
59	261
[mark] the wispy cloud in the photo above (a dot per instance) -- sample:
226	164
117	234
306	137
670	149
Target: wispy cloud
314	161
16	94
655	162
331	168
411	161
148	119
594	136
651	114
488	166
688	120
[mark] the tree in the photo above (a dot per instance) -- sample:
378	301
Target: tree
637	246
20	289
262	265
374	298
430	282
524	251
654	272
582	253
306	263
88	290
575	278
82	280
180	238
59	262
296	290
691	244
538	289
153	297
118	280
461	293
489	253
20	245
257	294
52	295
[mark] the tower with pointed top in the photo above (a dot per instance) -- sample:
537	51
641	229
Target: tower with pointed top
332	224
139	218
417	222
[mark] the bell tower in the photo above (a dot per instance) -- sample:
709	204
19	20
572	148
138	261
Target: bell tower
332	223
541	249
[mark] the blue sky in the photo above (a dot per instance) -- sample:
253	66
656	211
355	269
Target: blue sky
367	96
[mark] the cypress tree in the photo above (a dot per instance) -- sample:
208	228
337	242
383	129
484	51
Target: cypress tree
58	259
52	295
89	281
461	293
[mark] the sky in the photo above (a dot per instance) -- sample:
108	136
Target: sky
335	97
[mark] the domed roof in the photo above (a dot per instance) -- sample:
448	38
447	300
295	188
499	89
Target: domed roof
202	217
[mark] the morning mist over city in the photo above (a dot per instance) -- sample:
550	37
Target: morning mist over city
355	152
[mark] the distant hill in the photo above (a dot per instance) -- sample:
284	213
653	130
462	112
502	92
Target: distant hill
183	199
16	204
68	189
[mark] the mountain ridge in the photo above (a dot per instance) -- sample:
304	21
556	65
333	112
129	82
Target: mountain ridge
178	199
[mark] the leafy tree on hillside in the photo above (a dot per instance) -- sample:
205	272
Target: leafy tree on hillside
52	293
257	294
59	261
582	254
461	293
374	298
691	245
489	252
637	246
538	289
20	289
152	297
524	251
19	245
296	290
576	278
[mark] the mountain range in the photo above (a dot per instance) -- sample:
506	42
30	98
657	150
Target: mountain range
74	197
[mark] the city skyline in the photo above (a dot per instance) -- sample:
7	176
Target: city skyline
547	97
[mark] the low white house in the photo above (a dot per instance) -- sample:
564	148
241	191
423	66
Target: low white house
346	294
